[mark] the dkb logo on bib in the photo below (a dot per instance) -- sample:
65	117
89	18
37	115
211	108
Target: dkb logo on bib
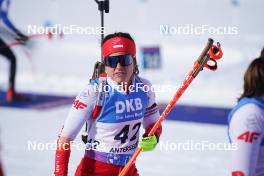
128	105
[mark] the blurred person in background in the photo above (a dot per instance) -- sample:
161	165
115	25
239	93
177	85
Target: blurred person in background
246	123
5	50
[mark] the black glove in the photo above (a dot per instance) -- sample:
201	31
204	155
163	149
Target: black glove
22	38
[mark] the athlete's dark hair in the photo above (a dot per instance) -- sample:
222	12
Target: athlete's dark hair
254	78
126	35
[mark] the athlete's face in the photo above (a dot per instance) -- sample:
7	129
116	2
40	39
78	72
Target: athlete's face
120	74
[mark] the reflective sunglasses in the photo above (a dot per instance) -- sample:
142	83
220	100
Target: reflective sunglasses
124	60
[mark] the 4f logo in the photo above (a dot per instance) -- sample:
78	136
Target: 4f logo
249	136
77	104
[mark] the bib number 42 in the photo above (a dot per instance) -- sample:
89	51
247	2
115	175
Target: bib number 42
123	134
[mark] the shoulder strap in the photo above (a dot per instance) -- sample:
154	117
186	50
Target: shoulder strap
98	78
257	101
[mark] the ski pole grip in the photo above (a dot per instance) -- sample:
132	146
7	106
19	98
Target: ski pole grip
203	58
205	50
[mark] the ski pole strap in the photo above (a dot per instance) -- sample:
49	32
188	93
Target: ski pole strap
100	97
215	53
211	64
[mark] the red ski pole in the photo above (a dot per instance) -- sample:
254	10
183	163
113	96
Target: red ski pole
210	52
